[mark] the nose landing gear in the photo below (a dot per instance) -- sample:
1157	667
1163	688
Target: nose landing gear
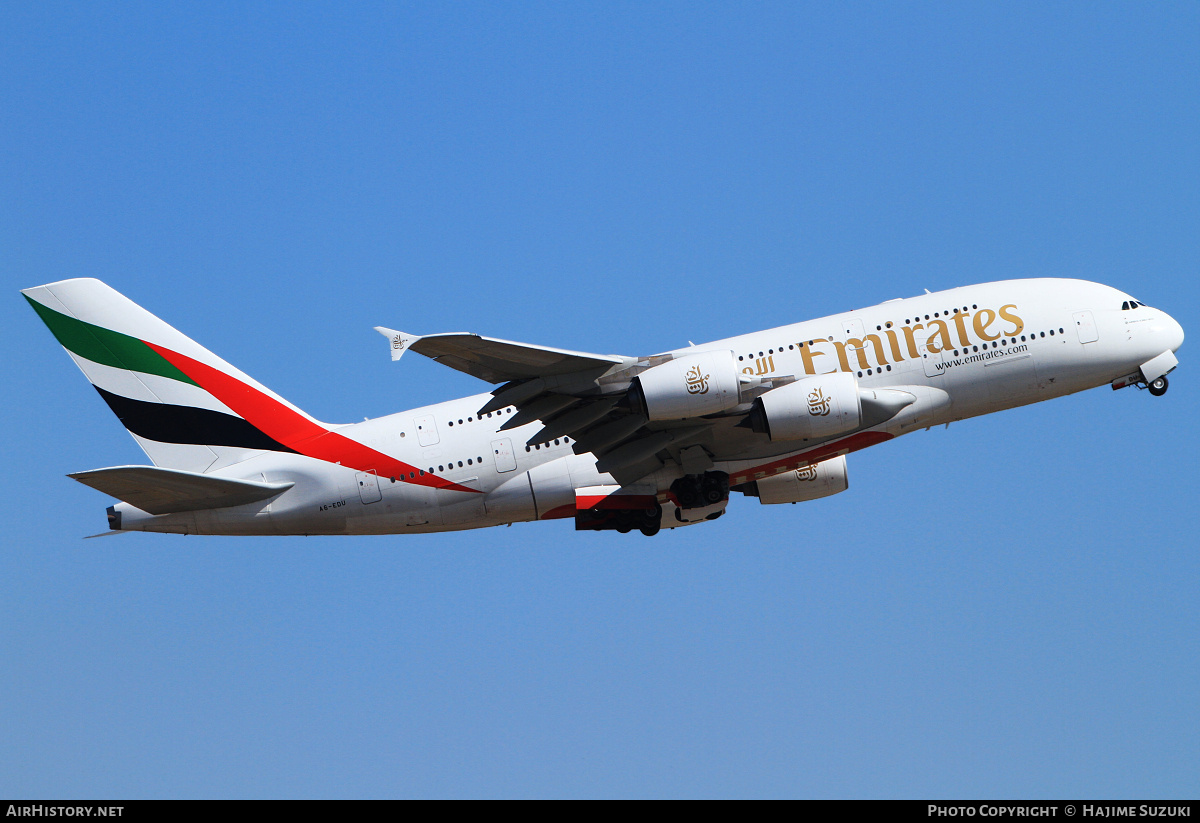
1158	386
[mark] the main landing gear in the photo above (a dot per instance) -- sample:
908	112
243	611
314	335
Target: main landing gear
647	519
693	491
1158	386
696	497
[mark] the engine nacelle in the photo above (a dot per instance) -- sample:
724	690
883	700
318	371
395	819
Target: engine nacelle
815	407
688	386
809	483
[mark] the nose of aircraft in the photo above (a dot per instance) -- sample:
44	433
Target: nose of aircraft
1172	332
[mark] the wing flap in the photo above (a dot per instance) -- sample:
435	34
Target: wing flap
163	491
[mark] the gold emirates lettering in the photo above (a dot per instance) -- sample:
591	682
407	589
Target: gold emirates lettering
818	403
696	381
830	356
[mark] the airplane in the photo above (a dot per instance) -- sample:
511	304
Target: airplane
611	442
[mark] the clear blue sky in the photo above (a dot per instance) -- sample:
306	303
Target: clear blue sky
1007	608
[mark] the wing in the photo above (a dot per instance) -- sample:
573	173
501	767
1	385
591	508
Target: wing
162	491
499	361
574	394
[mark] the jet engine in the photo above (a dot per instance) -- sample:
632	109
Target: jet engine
809	483
814	407
823	406
688	386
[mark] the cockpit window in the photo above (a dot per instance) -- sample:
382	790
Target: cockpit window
1130	304
1125	306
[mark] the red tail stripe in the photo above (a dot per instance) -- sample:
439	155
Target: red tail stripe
296	431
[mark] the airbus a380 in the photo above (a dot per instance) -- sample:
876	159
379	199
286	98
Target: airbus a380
609	441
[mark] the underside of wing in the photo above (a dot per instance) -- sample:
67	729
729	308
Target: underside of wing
163	491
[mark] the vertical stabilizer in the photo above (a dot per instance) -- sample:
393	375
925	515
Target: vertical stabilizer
187	408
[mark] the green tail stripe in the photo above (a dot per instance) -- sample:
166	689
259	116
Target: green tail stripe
106	347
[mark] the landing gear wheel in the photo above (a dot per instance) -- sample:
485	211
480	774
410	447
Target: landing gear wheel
650	531
1158	386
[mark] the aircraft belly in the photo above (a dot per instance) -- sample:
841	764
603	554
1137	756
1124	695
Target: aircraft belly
552	487
459	507
512	501
415	505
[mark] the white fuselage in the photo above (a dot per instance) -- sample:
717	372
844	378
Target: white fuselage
962	353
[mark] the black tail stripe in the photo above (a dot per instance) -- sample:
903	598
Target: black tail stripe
185	424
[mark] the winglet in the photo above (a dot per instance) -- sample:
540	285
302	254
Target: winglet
400	341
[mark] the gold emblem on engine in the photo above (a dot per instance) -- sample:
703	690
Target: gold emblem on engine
818	403
808	472
697	381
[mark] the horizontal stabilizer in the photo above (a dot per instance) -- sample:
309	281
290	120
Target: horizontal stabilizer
162	491
498	361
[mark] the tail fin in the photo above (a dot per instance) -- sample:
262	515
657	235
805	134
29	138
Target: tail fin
187	408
